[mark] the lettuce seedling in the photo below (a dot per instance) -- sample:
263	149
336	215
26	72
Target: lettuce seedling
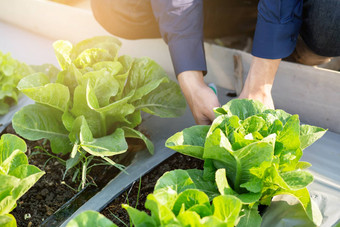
254	153
95	101
16	176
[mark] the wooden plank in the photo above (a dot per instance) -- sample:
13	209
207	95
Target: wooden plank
312	93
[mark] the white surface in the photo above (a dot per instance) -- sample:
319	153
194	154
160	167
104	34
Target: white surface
26	46
324	155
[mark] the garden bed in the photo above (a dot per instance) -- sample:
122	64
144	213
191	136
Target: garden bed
51	200
160	129
137	193
316	108
283	211
39	207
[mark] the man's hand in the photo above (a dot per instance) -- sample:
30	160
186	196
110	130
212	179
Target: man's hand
259	83
200	98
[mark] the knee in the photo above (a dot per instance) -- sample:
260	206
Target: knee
100	10
324	44
321	26
126	19
305	55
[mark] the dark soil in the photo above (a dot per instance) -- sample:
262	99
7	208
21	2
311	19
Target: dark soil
45	197
48	194
118	215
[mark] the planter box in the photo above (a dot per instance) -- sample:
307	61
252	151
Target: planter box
311	92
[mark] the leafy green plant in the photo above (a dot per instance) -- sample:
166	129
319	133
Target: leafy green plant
11	71
254	154
182	198
16	176
95	102
90	218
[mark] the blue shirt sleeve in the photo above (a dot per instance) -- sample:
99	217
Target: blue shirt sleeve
181	26
277	28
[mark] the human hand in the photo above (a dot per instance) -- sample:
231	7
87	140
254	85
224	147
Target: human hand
260	81
200	98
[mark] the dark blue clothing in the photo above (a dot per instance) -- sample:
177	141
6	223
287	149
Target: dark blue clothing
181	26
321	26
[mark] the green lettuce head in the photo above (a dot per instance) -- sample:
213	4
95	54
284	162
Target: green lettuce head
257	148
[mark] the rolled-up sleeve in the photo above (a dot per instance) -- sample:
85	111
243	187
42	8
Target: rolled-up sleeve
277	28
181	26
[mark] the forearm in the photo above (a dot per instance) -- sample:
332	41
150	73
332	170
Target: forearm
278	25
261	74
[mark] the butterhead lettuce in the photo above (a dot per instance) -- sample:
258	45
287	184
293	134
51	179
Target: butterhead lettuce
254	153
96	100
96	93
